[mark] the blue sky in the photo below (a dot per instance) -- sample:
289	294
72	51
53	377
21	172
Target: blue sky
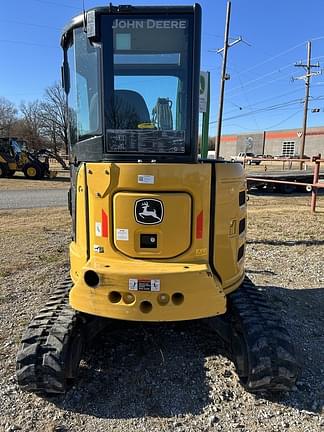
260	94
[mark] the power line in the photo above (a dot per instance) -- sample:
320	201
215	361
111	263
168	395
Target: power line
266	128
280	54
274	109
239	126
263	85
270	108
264	100
278	79
278	70
248	102
272	58
265	109
283	121
56	4
26	43
212	35
29	24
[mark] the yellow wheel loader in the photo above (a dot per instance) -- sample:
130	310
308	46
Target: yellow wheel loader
158	235
35	165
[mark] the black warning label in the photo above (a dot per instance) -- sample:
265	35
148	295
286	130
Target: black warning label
144	285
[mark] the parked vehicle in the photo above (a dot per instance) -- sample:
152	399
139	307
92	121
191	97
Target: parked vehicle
246	157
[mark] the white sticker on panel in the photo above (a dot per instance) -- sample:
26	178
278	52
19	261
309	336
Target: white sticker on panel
98	229
132	284
145	179
155	285
122	234
98	248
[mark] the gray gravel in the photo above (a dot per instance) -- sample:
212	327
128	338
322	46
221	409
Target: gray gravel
171	377
19	199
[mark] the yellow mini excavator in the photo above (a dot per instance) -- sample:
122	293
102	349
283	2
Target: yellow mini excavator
158	235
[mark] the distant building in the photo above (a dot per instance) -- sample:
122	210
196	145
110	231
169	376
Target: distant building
276	143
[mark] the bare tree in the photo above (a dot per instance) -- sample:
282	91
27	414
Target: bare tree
42	123
54	117
32	121
8	116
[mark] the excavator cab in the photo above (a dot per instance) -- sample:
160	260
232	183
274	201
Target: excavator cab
157	235
131	75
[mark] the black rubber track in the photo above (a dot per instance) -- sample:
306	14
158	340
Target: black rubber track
46	360
261	345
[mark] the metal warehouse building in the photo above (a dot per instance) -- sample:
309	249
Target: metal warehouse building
276	143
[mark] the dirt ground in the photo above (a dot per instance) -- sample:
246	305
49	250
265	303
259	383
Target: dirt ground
168	378
19	182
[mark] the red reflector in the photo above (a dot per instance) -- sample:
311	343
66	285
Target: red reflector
104	218
200	225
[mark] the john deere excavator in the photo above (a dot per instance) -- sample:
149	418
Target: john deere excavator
158	235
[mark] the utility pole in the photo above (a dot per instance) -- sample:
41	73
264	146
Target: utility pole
205	123
224	76
307	77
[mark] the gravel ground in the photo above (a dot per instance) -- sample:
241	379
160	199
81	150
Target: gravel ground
167	377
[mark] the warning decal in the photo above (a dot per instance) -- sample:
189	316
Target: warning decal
144	285
122	234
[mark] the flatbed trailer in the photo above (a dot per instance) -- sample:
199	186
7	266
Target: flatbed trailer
282	181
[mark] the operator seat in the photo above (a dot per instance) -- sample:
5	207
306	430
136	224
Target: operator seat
130	110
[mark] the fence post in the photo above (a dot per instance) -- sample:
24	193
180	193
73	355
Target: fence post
317	166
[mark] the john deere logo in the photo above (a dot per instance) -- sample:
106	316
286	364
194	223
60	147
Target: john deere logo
149	211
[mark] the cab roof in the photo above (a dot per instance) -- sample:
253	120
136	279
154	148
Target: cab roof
78	20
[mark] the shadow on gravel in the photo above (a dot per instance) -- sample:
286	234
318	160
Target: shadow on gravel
46	179
58	179
263	272
302	311
141	370
313	242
